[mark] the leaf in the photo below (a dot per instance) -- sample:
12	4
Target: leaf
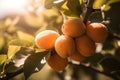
96	17
49	4
19	42
110	64
3	58
112	1
98	3
2	42
32	62
21	56
25	36
73	9
33	21
59	3
12	49
76	8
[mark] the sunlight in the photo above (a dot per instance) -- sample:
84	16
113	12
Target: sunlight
13	4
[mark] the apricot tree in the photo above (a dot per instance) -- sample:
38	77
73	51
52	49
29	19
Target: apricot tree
75	39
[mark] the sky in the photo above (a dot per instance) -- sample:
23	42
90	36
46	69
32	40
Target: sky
11	6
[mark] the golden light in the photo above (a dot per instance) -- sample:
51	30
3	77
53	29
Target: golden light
13	4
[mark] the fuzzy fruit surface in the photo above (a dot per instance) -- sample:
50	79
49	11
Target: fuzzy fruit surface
46	39
77	57
73	28
56	62
85	46
64	46
97	32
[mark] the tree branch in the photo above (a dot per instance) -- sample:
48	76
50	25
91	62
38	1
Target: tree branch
89	10
96	70
11	75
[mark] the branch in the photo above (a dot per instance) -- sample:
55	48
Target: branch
11	75
96	70
89	10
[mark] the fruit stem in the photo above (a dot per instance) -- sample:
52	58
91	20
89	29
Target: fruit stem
89	10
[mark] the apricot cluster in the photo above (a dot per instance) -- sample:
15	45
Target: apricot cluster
76	43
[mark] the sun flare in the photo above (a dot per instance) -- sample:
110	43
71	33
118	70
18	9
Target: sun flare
13	4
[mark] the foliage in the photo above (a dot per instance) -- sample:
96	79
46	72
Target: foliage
17	32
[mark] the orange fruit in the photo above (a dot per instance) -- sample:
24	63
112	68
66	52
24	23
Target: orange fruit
46	39
97	32
73	28
56	62
77	57
64	46
85	46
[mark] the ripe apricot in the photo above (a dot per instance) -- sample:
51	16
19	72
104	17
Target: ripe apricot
46	39
85	46
77	57
97	32
64	46
73	28
56	62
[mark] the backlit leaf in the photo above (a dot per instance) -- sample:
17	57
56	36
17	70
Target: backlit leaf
12	49
32	62
3	58
19	42
2	42
25	36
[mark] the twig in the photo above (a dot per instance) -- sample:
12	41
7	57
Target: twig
11	75
96	70
89	10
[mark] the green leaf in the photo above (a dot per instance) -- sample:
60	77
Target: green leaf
113	1
70	9
2	42
74	7
25	36
98	3
3	58
19	42
12	49
21	55
96	17
32	62
49	4
33	21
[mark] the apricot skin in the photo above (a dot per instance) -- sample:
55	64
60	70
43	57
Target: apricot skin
46	39
64	46
85	46
97	32
77	57
73	28
57	63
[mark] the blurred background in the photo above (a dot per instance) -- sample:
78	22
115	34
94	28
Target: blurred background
21	20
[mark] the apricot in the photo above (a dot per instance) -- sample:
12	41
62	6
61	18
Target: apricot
73	28
77	57
97	32
85	46
56	62
64	46
46	39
